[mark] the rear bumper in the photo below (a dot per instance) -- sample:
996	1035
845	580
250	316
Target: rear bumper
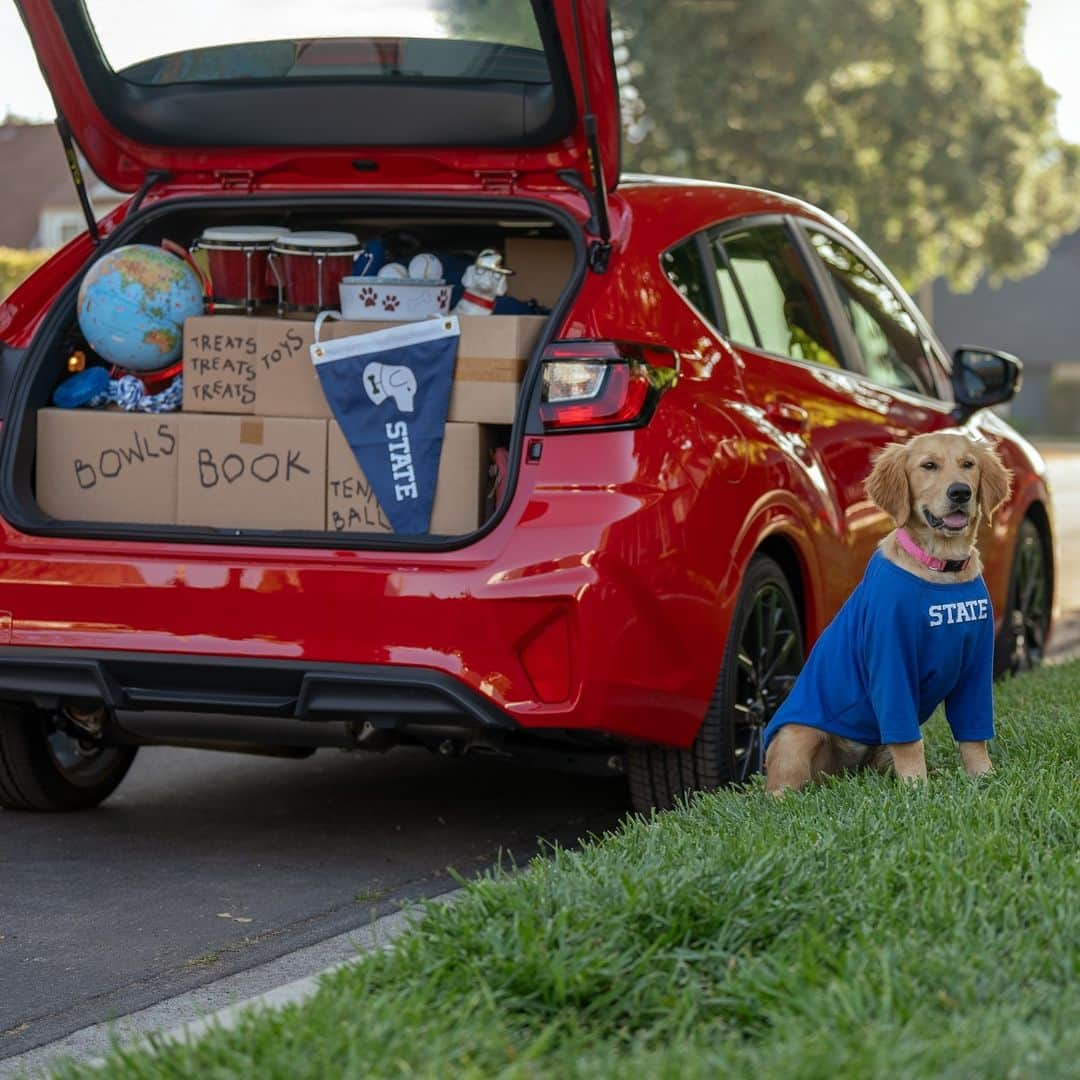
281	707
127	681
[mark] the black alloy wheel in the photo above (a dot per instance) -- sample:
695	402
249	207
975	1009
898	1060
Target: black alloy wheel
769	659
46	764
1022	641
764	654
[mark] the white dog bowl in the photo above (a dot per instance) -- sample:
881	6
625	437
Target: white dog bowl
365	298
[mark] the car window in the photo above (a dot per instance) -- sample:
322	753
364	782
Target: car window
245	40
768	297
889	341
739	328
686	272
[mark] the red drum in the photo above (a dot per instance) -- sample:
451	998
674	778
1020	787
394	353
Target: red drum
237	256
309	266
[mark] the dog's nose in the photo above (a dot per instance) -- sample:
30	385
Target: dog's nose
958	493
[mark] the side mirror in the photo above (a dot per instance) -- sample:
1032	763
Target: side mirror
982	377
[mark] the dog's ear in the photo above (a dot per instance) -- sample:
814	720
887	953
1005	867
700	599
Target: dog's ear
995	481
887	485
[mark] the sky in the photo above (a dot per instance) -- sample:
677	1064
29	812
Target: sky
1052	40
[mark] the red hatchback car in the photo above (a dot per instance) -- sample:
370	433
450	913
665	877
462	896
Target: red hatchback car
680	508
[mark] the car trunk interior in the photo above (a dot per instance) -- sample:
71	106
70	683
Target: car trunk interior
258	450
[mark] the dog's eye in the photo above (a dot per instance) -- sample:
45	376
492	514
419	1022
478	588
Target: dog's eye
967	464
929	466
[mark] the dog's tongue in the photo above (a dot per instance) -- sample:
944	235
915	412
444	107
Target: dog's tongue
956	520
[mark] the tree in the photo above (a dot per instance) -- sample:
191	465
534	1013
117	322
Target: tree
918	122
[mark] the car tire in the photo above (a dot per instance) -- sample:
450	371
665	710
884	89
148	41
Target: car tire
44	768
1022	641
757	672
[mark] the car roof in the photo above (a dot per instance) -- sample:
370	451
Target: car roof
687	205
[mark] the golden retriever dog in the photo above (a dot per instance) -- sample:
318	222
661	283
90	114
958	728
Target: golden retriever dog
917	631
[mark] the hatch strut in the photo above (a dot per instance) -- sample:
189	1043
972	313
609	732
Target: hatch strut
599	251
77	177
154	176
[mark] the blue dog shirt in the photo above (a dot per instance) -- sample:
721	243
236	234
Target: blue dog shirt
897	648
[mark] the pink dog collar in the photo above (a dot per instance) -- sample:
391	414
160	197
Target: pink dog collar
952	566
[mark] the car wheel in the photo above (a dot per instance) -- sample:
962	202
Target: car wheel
763	656
44	767
1022	640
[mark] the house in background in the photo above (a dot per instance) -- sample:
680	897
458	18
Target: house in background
1037	319
38	204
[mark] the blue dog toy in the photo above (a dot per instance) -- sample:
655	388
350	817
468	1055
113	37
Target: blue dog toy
93	388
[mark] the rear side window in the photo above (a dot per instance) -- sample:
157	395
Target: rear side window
889	341
768	296
685	270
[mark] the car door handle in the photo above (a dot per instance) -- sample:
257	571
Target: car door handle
787	416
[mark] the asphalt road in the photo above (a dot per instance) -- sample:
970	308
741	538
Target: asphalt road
203	864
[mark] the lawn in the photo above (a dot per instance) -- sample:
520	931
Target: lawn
864	929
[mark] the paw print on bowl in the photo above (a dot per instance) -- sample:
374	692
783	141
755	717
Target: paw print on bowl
390	302
367	296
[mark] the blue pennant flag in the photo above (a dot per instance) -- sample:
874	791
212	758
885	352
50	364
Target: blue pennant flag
390	391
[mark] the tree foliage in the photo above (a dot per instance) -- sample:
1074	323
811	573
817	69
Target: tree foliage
918	122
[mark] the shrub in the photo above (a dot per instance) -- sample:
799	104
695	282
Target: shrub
16	264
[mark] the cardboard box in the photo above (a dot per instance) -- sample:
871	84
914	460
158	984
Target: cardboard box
541	268
351	505
107	466
257	366
492	357
460	492
262	366
252	472
250	366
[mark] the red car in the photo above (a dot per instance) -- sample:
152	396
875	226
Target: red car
681	507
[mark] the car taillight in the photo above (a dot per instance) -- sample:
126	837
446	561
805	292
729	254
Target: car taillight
603	384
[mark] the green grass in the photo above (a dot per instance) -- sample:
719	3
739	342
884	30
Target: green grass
863	929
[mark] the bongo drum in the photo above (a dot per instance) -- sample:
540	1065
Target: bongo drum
237	257
308	266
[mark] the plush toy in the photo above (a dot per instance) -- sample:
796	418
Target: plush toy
484	282
93	388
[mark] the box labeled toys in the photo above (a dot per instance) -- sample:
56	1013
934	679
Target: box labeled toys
250	366
105	465
252	472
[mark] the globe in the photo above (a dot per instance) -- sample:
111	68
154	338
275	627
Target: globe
132	305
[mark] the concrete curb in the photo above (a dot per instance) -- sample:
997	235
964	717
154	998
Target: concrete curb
284	981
